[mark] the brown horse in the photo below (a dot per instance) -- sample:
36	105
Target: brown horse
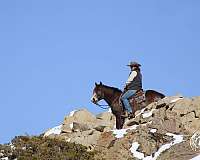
112	97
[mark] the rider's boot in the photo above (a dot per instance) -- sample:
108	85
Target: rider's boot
125	114
131	115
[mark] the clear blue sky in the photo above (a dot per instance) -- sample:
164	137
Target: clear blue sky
52	52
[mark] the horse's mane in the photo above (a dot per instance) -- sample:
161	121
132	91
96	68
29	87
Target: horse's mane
114	88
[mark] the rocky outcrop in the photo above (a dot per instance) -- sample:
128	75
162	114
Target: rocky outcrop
166	129
83	127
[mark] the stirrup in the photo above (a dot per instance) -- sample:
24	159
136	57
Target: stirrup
125	114
131	115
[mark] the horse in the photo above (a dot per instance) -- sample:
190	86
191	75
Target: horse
112	97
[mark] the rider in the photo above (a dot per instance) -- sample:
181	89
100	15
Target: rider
133	84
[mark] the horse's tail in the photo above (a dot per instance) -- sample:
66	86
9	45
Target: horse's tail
155	92
152	96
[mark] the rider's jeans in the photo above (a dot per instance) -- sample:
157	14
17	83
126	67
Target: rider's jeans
125	100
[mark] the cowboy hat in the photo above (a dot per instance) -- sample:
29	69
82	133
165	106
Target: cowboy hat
134	64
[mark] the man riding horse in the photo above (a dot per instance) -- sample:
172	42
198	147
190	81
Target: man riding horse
113	96
133	84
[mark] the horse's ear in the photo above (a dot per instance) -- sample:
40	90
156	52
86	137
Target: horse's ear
101	83
96	84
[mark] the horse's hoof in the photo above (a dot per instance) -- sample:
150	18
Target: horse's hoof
124	116
131	115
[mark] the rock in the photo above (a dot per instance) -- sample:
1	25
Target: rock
80	127
172	115
87	138
181	151
108	147
187	111
100	128
105	120
105	116
81	117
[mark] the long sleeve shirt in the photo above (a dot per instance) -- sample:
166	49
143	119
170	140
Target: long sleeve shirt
132	75
134	81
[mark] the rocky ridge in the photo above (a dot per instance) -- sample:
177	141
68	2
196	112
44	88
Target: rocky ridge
163	130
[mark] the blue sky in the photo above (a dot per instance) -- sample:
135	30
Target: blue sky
52	52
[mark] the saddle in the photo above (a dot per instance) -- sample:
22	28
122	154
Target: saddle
137	101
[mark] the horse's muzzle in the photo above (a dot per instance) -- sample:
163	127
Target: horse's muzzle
93	100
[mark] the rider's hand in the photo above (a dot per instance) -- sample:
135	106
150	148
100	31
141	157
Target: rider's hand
125	87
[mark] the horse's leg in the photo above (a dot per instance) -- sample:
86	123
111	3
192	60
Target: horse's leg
134	106
122	122
119	121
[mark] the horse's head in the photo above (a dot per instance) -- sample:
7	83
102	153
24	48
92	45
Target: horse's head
98	93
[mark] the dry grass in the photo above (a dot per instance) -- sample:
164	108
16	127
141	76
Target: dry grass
39	148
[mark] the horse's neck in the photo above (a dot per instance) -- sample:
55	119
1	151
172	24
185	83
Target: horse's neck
110	95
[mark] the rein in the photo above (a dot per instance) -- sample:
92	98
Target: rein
106	106
103	106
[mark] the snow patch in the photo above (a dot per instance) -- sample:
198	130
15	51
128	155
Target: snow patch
132	127
148	114
195	141
135	145
196	158
12	146
176	99
71	126
5	158
142	111
109	110
71	114
119	133
133	150
55	130
23	148
153	130
68	140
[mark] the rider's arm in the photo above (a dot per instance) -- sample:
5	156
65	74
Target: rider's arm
132	75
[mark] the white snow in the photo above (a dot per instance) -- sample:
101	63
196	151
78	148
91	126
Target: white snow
23	148
132	127
196	158
150	122
178	138
134	148
176	99
142	111
135	145
71	126
109	110
5	158
71	114
55	130
153	130
68	140
12	146
119	133
148	114
195	141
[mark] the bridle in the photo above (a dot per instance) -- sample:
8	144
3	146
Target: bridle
102	97
102	106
